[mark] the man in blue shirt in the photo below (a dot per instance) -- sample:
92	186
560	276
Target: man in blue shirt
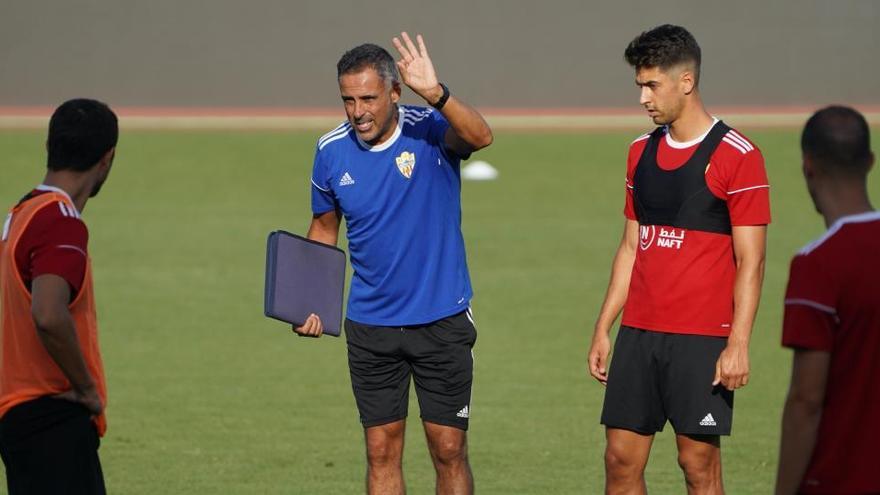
393	172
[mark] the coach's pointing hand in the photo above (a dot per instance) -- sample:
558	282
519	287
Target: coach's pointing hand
416	68
311	328
732	367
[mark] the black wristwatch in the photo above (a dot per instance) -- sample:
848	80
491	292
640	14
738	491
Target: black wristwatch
443	98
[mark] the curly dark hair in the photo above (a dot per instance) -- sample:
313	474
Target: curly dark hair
664	46
839	140
370	56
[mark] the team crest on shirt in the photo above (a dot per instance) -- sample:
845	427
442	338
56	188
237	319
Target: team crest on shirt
406	162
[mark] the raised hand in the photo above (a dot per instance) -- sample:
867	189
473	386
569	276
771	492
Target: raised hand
416	68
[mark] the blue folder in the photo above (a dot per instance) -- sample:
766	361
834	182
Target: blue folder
304	277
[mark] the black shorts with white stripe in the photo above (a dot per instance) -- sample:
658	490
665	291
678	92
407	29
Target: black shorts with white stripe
437	355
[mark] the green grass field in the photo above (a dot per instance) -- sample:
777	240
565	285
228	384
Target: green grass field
208	396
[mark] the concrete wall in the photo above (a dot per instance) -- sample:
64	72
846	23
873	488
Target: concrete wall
552	53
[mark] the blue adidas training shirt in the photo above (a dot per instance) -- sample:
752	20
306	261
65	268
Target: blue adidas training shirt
402	206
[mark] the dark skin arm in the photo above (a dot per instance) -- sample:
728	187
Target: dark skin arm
324	228
800	418
50	295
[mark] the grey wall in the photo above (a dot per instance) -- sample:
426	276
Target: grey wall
494	53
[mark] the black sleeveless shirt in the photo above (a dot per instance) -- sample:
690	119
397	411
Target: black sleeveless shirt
680	198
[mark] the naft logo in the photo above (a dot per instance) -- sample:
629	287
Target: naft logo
646	236
671	238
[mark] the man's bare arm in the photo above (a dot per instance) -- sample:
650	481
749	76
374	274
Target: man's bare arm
468	130
615	298
800	418
325	227
749	248
50	295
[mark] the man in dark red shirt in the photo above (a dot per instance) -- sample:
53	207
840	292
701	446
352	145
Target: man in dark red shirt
52	387
831	422
687	274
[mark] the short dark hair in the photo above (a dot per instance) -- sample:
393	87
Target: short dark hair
664	47
81	131
839	140
369	56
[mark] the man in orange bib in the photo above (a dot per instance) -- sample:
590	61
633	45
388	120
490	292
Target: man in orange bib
52	387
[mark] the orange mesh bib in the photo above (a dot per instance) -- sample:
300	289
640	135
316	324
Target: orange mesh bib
26	369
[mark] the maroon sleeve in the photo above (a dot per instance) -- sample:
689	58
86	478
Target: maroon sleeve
54	243
810	307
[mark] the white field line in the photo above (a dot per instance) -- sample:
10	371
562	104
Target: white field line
524	122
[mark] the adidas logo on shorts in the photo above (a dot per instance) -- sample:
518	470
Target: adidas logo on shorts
464	413
708	421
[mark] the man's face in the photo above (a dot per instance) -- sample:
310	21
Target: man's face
813	177
370	104
662	93
102	171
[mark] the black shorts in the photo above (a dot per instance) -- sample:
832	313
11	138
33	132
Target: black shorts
657	376
50	446
439	357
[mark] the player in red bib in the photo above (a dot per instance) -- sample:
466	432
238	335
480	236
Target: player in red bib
687	274
830	428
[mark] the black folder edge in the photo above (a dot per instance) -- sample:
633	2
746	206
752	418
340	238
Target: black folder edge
270	264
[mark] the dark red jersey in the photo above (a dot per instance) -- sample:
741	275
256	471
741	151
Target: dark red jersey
27	371
832	304
683	278
55	242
